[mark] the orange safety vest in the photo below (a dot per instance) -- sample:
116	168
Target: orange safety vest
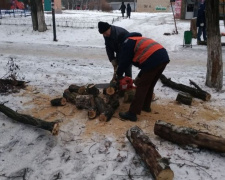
144	48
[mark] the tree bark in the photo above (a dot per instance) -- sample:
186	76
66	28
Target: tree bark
110	108
77	89
195	92
91	89
193	28
53	127
84	101
214	75
70	96
188	136
34	15
158	166
184	98
37	15
13	82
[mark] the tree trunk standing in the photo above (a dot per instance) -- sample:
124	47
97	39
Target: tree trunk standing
37	15
40	17
214	76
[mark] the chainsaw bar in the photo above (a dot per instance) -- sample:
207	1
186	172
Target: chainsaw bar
102	85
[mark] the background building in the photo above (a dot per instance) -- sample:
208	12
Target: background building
153	6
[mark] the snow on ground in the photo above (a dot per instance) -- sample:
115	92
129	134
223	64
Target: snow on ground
87	149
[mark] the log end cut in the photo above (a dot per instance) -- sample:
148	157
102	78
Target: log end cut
110	91
166	174
208	97
102	117
55	130
58	102
92	113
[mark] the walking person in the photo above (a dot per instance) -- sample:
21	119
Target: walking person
151	58
128	10
122	8
201	24
111	34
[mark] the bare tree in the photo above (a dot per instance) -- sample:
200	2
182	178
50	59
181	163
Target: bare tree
214	76
37	15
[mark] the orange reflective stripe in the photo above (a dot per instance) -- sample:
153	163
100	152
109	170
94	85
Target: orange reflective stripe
144	48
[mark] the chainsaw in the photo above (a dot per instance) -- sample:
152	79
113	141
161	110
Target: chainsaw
125	83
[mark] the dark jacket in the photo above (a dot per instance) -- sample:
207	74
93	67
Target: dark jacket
122	7
201	16
128	9
112	43
127	55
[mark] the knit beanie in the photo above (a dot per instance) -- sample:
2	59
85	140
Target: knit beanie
103	27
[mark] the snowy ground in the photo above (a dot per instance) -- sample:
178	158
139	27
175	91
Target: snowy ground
87	149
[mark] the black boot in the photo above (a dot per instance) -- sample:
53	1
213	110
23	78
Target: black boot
128	116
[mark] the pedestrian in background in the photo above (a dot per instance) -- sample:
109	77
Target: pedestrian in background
122	8
128	10
201	24
111	34
151	58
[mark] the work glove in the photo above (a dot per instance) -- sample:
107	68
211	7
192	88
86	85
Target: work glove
137	81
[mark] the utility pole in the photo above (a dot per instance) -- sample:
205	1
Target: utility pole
53	21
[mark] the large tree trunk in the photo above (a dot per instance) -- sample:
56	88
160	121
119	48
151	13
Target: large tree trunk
188	136
53	127
214	76
37	15
158	166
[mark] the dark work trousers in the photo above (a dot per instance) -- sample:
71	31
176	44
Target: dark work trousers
201	30
145	88
128	71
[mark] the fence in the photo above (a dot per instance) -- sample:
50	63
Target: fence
14	13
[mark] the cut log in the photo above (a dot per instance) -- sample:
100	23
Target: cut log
112	89
189	136
58	102
107	114
77	89
100	104
184	98
13	82
110	108
70	96
84	101
129	95
53	127
93	113
91	89
195	92
158	166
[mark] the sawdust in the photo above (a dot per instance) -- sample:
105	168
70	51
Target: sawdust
200	116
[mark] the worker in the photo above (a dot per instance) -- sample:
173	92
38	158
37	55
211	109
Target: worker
201	24
151	58
111	34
